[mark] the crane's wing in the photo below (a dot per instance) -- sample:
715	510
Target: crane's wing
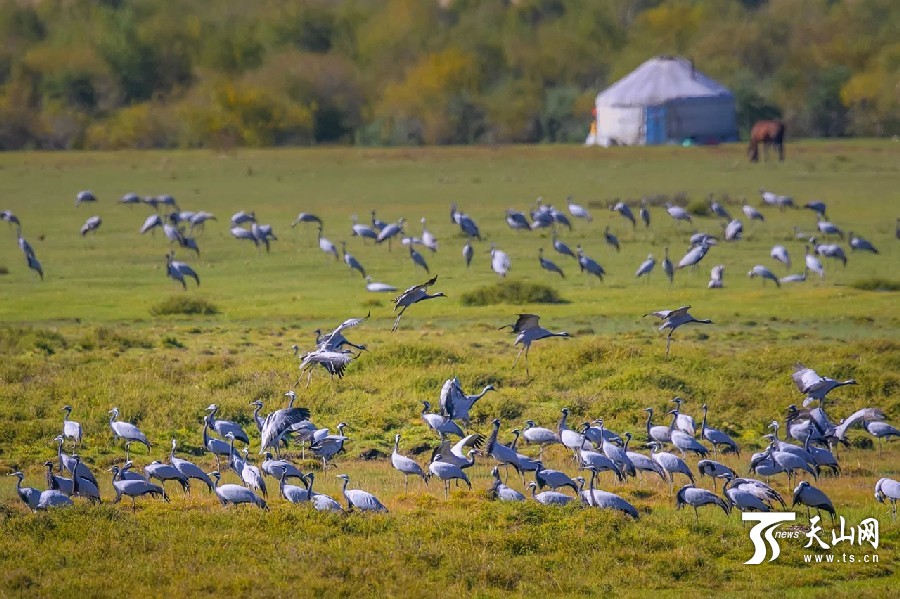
474	440
857	417
450	392
416	288
804	377
664	314
350	322
679	311
523	323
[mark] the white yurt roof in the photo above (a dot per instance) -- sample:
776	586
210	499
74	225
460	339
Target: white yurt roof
659	80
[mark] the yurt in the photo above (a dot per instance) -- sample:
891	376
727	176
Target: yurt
665	100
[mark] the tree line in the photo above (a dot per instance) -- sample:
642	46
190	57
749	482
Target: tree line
222	73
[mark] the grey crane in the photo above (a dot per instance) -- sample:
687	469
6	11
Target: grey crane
455	403
694	255
468	252
293	493
242	233
8	216
236	494
859	243
239	218
645	213
549	497
811	497
361	230
466	223
334	362
880	430
377	223
669	462
752	213
263	233
252	476
672	319
690	495
173	234
163	472
828	228
428	238
832	250
668	268
714	470
500	262
589	264
788	461
71	428
611	239
606	500
795	278
134	488
641	461
570	439
390	231
418	259
677	212
814	264
199	219
685	442
320	501
276	467
549	265
528	330
351	261
773	199
500	452
279	422
822	458
457	454
67	462
885	488
326	246
552	478
616	454
306	217
734	230
646	267
127	431
816	206
223	427
151	222
716	275
588	458
683	421
560	217
413	295
814	385
360	500
189	469
501	491
378	287
750	494
700	238
719	210
561	247
328	446
440	423
177	271
91	224
85	196
447	472
405	465
335	340
780	253
716	437
763	273
659	433
599	434
858	417
623	209
577	210
29	495
517	221
539	436
217	447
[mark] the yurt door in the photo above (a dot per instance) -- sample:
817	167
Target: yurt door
656	124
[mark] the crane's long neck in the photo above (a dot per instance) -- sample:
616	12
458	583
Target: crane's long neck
205	432
515	440
627	441
396	445
309	485
75	477
562	424
347	497
649	418
281	481
257	417
482	394
674	420
703	425
172	453
493	437
471	461
775	432
49	477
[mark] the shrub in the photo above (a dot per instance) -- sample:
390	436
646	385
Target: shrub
876	284
183	305
512	292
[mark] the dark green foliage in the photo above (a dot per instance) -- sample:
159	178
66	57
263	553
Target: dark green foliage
876	284
177	304
511	292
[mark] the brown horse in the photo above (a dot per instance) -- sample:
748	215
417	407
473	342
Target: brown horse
766	133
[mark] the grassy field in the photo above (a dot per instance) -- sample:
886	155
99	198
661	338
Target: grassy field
86	336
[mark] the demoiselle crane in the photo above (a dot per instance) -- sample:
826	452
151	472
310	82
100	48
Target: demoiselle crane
360	500
528	330
413	295
672	319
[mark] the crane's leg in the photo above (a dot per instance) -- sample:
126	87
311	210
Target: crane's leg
406	481
516	361
668	344
397	322
697	515
446	489
127	450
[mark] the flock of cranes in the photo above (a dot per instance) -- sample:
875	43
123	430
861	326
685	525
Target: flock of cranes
179	227
810	437
809	447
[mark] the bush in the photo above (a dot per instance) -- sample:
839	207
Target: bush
512	292
183	305
876	284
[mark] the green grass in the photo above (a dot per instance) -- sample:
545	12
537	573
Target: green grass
511	292
86	337
183	305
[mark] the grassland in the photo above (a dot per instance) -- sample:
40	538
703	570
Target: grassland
86	336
